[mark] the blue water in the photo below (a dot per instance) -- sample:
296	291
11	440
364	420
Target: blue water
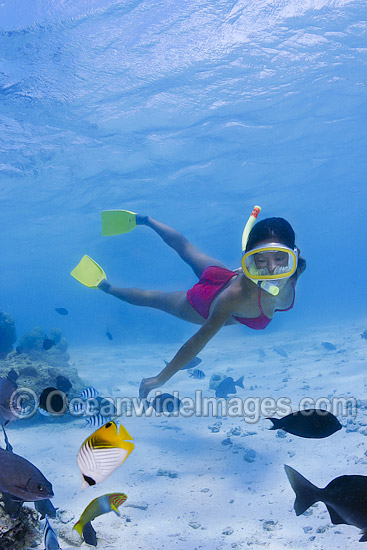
191	112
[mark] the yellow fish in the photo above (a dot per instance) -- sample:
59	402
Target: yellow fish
99	506
103	452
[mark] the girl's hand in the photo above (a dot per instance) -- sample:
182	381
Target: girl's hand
147	385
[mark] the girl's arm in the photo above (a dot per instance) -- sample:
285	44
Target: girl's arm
223	309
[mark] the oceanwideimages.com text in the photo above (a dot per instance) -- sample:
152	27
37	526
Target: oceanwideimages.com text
25	404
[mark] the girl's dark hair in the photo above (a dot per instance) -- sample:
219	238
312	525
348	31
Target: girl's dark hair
277	228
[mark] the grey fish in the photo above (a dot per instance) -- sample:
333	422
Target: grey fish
345	498
364	334
45	507
280	351
49	537
191	364
22	479
312	423
227	386
61	311
197	374
328	345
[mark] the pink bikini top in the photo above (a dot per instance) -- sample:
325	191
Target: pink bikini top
212	280
261	322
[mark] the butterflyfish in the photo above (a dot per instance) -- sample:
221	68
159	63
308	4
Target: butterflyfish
103	452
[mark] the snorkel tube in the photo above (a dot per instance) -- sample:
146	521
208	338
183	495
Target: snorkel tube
266	285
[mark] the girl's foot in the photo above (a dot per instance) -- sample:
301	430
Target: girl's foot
105	286
141	220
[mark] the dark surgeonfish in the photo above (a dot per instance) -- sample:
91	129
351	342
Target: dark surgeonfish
21	481
109	335
89	534
166	403
45	508
61	311
52	401
345	498
311	423
228	386
63	383
47	344
12	376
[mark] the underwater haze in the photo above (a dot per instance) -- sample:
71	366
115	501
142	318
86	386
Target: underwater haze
191	112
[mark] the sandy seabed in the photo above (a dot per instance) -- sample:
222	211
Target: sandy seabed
205	482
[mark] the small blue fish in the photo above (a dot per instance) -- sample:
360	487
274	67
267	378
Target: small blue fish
364	335
191	364
166	403
50	538
88	393
61	311
328	345
197	374
262	354
227	386
97	420
280	351
109	335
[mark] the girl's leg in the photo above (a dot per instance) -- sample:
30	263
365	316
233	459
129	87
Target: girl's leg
196	259
174	303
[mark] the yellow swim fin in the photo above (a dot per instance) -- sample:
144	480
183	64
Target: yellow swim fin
88	272
116	222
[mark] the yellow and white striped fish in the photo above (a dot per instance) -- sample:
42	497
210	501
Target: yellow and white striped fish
103	452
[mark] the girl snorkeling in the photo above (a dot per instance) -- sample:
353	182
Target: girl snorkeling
249	295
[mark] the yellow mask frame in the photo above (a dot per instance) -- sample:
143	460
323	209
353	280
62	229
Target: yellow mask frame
253	272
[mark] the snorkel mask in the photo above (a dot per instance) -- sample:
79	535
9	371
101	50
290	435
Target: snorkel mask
268	264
